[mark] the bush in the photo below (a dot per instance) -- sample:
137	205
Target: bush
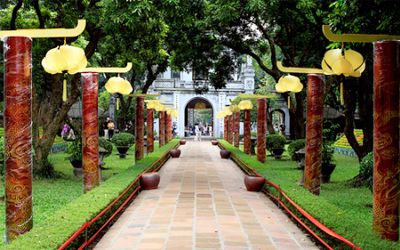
367	169
295	146
123	139
275	141
106	145
327	154
74	149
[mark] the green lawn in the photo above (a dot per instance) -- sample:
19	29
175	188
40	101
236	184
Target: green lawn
51	195
346	210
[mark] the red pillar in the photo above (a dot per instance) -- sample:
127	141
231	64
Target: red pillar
236	117
169	127
90	131
139	128
18	135
165	127
226	128
386	140
150	130
261	129
315	108
230	128
161	128
246	132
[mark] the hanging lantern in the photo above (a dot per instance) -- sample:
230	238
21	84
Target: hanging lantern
118	85
343	62
227	111
151	104
159	107
245	105
64	58
288	83
234	108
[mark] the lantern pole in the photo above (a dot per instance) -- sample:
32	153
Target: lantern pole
161	128
236	125
247	131
18	122
150	130
90	144
261	129
386	172
139	128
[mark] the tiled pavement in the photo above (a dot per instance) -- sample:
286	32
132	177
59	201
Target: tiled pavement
202	203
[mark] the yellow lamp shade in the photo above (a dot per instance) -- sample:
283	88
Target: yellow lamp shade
112	84
64	58
174	113
245	105
151	104
289	83
280	88
234	108
159	107
339	62
297	88
125	88
227	111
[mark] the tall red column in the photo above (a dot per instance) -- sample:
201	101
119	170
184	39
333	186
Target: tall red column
161	128
230	128
261	129
165	127
169	127
226	128
150	130
236	125
247	132
315	108
386	140
18	135
139	128
90	131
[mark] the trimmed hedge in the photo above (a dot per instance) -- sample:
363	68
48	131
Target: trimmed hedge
53	232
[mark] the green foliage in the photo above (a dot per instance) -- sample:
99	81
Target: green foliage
295	146
104	100
275	141
327	153
1	156
123	139
107	145
74	149
351	206
51	232
366	170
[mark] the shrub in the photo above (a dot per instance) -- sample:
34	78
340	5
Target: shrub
275	141
106	145
123	139
327	154
366	169
74	149
295	146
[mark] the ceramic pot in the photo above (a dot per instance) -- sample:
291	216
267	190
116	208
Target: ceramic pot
225	154
175	153
149	181
254	183
214	142
326	171
182	142
278	153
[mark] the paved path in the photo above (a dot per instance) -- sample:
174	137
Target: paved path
202	203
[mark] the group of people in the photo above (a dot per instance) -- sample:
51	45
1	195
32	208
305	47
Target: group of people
200	129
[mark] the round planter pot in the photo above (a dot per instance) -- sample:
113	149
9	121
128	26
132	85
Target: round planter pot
149	181
225	154
78	172
214	142
175	153
182	142
122	151
254	183
326	171
76	163
278	153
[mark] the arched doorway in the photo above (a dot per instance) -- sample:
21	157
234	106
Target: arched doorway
278	120
199	111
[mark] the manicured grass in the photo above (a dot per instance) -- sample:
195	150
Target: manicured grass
346	210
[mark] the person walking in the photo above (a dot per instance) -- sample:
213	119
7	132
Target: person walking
110	127
197	132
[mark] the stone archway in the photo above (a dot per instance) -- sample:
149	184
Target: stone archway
280	117
199	111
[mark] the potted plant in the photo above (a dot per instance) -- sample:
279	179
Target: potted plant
74	149
294	147
327	165
105	149
123	141
276	145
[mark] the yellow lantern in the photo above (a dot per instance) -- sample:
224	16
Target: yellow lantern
245	105
227	111
151	104
288	83
64	58
343	62
159	107
234	108
118	85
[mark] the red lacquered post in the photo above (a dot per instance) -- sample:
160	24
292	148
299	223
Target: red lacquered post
139	128
230	129
18	135
315	108
226	128
386	183
161	128
236	126
150	130
261	129
246	132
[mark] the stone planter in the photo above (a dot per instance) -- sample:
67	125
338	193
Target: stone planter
278	153
182	142
122	151
326	171
225	154
254	183
149	181
214	142
175	153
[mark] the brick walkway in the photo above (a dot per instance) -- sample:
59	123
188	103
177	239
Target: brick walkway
202	203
